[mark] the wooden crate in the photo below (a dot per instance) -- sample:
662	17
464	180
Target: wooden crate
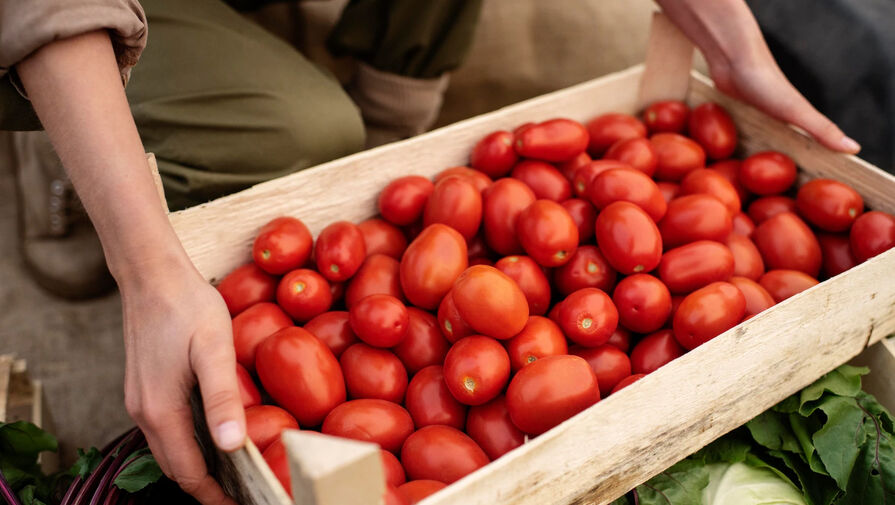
22	399
632	435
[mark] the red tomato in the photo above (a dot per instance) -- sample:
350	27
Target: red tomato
677	155
337	290
490	302
587	269
568	168
456	203
479	180
585	216
553	140
403	200
394	472
747	260
431	264
767	207
549	391
275	457
301	374
494	155
584	176
490	426
530	278
415	490
476	369
730	170
253	326
377	421
379	320
334	330
339	251
637	152
429	400
282	245
503	202
708	312
391	496
540	337
628	238
742	224
544	179
246	286
830	205
248	391
873	233
265	424
695	217
304	294
382	237
588	317
608	129
424	344
547	233
757	297
712	127
553	315
670	190
710	182
643	302
782	284
628	186
666	116
654	351
627	381
451	324
768	173
379	275
621	338
373	373
786	242
675	304
836	253
609	363
441	453
689	267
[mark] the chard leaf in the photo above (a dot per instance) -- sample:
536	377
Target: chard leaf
843	381
873	477
802	428
816	488
86	463
21	442
726	449
28	496
681	484
139	473
621	500
772	430
839	442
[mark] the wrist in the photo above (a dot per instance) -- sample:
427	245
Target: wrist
137	272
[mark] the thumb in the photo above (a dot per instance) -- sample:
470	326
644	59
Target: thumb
214	363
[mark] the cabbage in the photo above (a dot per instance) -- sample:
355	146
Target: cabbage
741	484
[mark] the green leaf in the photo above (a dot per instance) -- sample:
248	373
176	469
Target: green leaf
817	489
86	463
681	484
838	443
139	473
28	495
726	449
772	430
843	381
803	428
873	477
21	442
621	500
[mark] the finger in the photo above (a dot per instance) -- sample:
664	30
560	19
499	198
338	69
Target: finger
214	363
801	113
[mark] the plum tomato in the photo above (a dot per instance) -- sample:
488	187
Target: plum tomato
654	351
476	369
628	238
747	260
547	233
476	247
707	312
768	173
710	182
431	264
494	154
677	155
609	363
544	179
424	344
368	420
429	400
782	284
415	490
643	302
568	168
588	317
334	330
695	217
873	233
479	180
628	186
585	216
391	496
830	205
502	204
394	472
282	245
766	207
582	178
379	320
670	190
275	457
608	129
301	374
252	326
587	269
836	253
689	267
378	275
621	337
627	381
786	242
246	286
668	116
304	294
382	237
549	391
489	425
530	278
403	200
456	203
265	423
730	170
637	152
373	373
742	224
339	251
712	127
540	337
441	453
248	391
490	302
451	324
757	297
553	140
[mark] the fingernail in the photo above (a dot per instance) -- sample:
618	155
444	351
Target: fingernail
848	144
229	436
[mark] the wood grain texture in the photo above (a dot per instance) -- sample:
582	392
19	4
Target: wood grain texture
669	58
880	382
6	361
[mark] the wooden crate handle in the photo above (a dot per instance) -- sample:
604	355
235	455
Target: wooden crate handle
156	178
669	58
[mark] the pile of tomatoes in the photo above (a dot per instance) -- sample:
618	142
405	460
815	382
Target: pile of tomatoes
491	304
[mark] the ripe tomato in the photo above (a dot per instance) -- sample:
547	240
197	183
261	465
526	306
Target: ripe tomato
431	264
415	490
377	421
275	457
547	233
710	182
479	180
441	453
282	245
782	284
695	217
402	201
608	129
628	238
304	294
503	202
627	381
476	369
628	186
830	205
712	127
337	290
379	320
747	260
873	233
836	253
730	170
339	251
677	155
585	216
333	329
373	373
742	224
609	363
549	391
757	297
666	116
768	173
248	391
588	317
301	374
637	152
584	176
379	275
429	400
391	496
456	203
554	140
476	248
490	302
540	337
265	423
530	278
621	337
785	241
391	467
451	324
252	326
494	154
246	286
767	207
544	179
568	168
670	190
424	344
382	237
654	351
707	312
587	269
489	425
689	267
643	302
